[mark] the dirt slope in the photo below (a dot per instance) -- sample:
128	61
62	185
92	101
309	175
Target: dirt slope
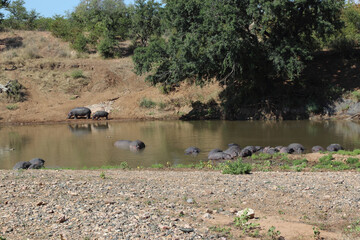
58	79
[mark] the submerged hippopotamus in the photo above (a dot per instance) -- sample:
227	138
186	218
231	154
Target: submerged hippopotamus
192	150
131	145
80	111
99	114
334	147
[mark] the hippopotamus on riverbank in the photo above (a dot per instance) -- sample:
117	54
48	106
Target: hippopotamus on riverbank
80	111
317	148
286	150
218	155
334	147
192	150
35	163
233	151
131	145
99	114
270	150
253	149
297	147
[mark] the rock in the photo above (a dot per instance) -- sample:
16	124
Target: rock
250	213
190	200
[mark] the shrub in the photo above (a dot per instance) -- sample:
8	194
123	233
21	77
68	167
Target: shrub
12	107
15	91
352	160
356	95
106	47
343	45
77	74
147	103
237	167
80	43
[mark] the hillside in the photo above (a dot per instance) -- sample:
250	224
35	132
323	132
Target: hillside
58	79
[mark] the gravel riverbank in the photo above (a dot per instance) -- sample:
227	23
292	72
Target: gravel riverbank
154	204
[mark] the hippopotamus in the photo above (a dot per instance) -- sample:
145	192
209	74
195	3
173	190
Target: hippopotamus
334	147
218	156
245	153
79	111
131	145
233	151
123	144
22	165
192	150
35	163
253	149
233	144
136	145
99	114
297	147
270	150
286	150
317	148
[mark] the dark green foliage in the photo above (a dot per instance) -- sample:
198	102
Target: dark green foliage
80	43
236	167
15	91
352	160
145	20
106	47
61	28
19	17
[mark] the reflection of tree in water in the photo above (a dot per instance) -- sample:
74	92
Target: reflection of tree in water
80	129
348	130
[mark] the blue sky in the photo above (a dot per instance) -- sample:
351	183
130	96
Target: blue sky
48	8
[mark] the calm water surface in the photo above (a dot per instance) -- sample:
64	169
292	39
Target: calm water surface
92	145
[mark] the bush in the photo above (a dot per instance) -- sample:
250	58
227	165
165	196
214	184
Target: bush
237	167
80	43
343	45
15	91
106	47
147	103
77	74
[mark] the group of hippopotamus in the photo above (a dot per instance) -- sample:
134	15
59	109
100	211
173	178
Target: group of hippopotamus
86	112
35	163
234	150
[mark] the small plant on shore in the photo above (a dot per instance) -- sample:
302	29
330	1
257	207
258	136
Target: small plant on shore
77	74
351	153
327	162
300	164
102	175
243	223
237	167
356	95
12	107
352	160
273	234
147	103
124	165
225	231
261	156
158	166
316	233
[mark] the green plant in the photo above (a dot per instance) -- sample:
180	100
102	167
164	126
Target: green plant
12	107
80	43
106	47
158	165
316	233
242	222
356	95
261	156
236	167
352	160
2	238
273	234
15	91
220	229
147	103
124	165
102	175
162	105
77	74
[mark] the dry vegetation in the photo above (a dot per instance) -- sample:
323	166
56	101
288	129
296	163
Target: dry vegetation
57	79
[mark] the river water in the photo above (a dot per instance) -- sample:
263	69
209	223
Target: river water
92	144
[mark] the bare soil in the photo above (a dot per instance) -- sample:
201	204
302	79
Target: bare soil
45	66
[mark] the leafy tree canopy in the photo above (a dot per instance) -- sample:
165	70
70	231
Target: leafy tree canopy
251	42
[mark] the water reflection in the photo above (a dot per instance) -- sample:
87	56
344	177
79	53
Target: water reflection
165	141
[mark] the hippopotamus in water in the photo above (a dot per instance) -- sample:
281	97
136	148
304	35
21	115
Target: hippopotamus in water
233	151
99	114
297	147
80	111
136	145
131	145
317	148
334	147
192	150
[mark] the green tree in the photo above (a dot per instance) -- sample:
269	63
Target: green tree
246	45
3	4
145	20
19	17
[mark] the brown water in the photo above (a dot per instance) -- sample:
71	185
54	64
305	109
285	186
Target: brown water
92	145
